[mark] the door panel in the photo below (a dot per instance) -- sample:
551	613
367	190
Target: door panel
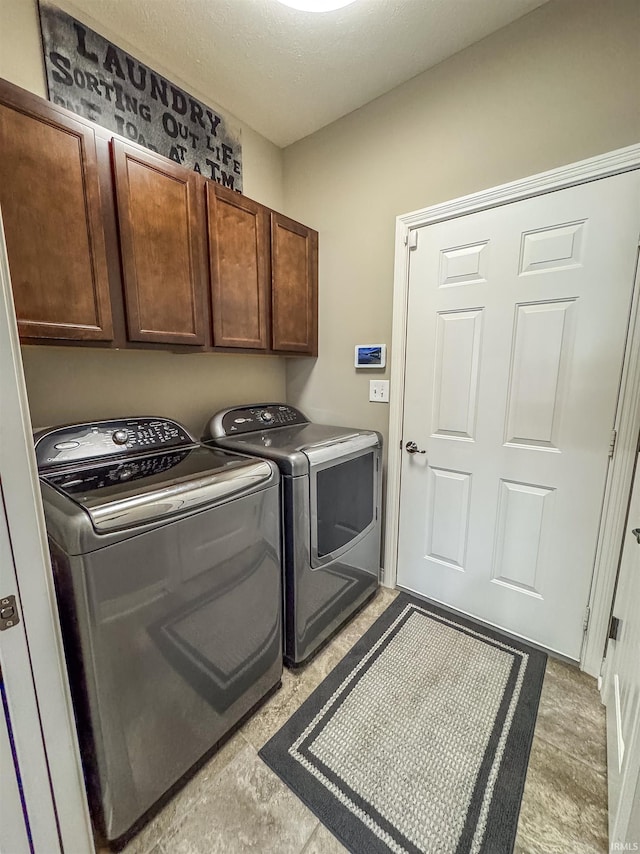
448	516
523	520
542	349
161	236
239	266
458	336
516	324
294	286
50	197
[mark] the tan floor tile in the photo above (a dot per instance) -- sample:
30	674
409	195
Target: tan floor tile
322	665
249	809
184	800
381	601
270	717
354	630
571	716
564	807
324	842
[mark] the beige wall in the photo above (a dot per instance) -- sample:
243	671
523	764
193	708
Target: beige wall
68	384
558	85
190	387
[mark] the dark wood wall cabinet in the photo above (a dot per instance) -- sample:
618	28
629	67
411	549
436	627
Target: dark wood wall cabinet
294	286
239	268
50	200
161	246
110	244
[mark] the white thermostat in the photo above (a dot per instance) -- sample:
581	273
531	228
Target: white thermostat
371	355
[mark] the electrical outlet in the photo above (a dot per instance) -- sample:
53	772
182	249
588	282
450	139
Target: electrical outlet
379	391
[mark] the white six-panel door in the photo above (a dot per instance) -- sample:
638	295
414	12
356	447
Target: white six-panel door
516	329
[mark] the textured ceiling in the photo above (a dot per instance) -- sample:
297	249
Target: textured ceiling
288	73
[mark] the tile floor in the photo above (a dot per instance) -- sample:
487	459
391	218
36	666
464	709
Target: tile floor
236	804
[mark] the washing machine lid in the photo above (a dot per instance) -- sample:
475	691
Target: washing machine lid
133	490
292	448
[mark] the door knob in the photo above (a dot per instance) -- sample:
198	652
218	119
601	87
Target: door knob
412	448
636	534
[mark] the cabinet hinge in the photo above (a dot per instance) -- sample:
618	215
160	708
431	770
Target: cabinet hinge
587	617
413	238
612	443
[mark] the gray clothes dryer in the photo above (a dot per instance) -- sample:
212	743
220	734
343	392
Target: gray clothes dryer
331	486
166	560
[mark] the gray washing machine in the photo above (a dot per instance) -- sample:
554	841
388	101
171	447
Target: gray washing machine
166	559
331	488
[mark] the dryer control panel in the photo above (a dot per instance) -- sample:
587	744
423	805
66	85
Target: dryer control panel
94	440
246	419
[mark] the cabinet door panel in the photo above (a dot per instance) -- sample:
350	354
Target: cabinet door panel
294	286
50	198
161	228
239	263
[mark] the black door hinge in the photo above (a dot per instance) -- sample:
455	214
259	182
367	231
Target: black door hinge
614	628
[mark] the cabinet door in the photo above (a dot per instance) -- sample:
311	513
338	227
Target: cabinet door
161	240
239	265
294	286
50	199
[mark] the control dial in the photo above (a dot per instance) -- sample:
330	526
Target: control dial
120	437
267	417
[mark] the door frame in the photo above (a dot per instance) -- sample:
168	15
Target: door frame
31	652
627	419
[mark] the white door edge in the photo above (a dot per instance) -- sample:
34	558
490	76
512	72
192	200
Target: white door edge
628	414
32	584
621	698
23	754
616	497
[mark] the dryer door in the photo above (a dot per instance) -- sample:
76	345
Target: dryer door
344	498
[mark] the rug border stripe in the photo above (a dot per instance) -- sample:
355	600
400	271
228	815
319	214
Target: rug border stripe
507	797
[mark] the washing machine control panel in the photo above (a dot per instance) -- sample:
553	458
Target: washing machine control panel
80	442
107	474
250	418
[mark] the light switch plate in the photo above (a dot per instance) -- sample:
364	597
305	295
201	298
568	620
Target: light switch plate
379	391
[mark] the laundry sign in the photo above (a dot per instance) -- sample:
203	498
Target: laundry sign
93	77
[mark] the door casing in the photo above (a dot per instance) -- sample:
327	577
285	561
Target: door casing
627	422
33	663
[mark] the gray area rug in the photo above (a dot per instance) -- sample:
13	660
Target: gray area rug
418	741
